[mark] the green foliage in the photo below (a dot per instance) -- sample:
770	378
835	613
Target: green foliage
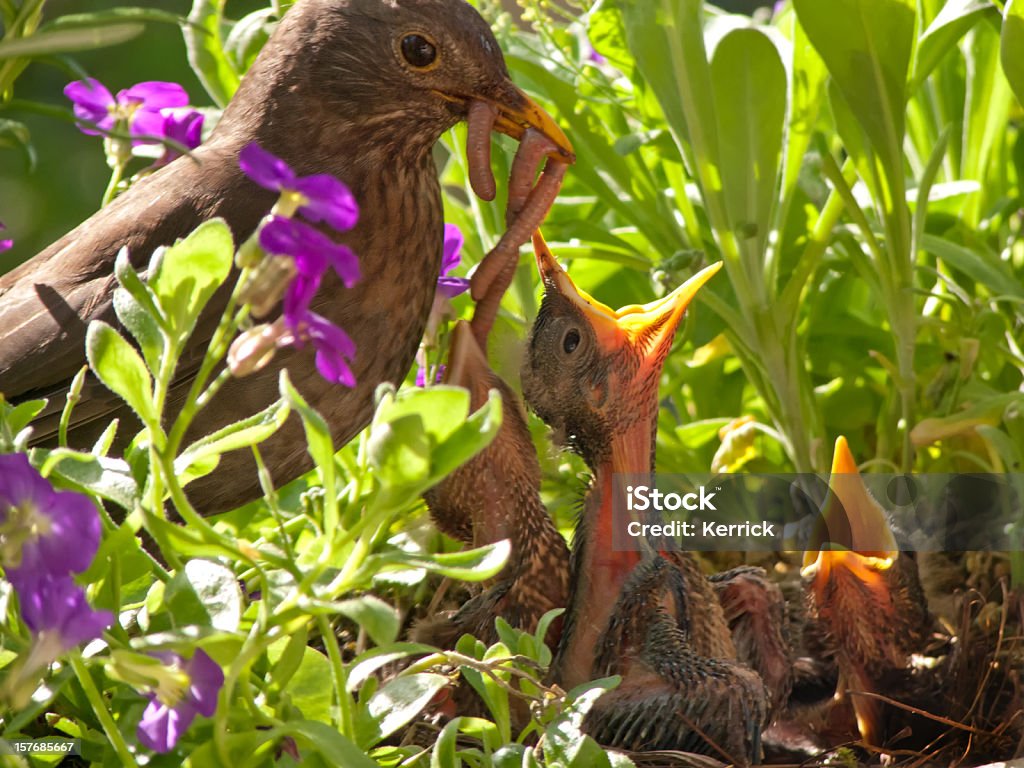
856	164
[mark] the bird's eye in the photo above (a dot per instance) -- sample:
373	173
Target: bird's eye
418	51
570	341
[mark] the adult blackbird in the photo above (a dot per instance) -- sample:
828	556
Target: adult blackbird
361	89
495	496
652	617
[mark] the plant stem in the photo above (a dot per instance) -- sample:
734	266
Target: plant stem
100	708
347	724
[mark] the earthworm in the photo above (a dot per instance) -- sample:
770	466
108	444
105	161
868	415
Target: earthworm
498	267
479	124
532	147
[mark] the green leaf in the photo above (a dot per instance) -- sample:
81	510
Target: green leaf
69	40
469	438
467	565
988	411
365	664
190	271
443	753
319	444
750	104
986	110
380	620
202	456
399	449
113	16
981	266
248	37
666	38
318	435
866	45
286	656
397	703
19	416
106	477
608	36
135	306
116	363
218	590
942	35
306	687
806	94
15	135
205	47
1012	46
335	748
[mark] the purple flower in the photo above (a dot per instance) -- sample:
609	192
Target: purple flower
334	348
184	127
323	197
421	375
43	532
139	106
312	250
172	708
450	287
55	609
5	245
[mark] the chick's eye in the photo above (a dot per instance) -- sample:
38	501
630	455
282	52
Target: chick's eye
570	341
418	51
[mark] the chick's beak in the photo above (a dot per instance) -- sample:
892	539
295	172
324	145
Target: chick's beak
852	531
467	365
649	328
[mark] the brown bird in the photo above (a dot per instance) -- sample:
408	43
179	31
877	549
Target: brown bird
360	89
592	374
868	601
495	496
864	593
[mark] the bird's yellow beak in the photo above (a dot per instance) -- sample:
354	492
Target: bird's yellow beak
852	531
648	328
517	112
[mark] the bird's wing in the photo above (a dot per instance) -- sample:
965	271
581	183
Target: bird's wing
47	303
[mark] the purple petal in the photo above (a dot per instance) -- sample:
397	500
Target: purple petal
334	368
267	170
333	348
6	245
92	102
186	128
421	376
161	727
298	297
289	237
452	248
345	263
312	250
154	95
207	678
327	199
147	127
450	287
70	531
58	605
